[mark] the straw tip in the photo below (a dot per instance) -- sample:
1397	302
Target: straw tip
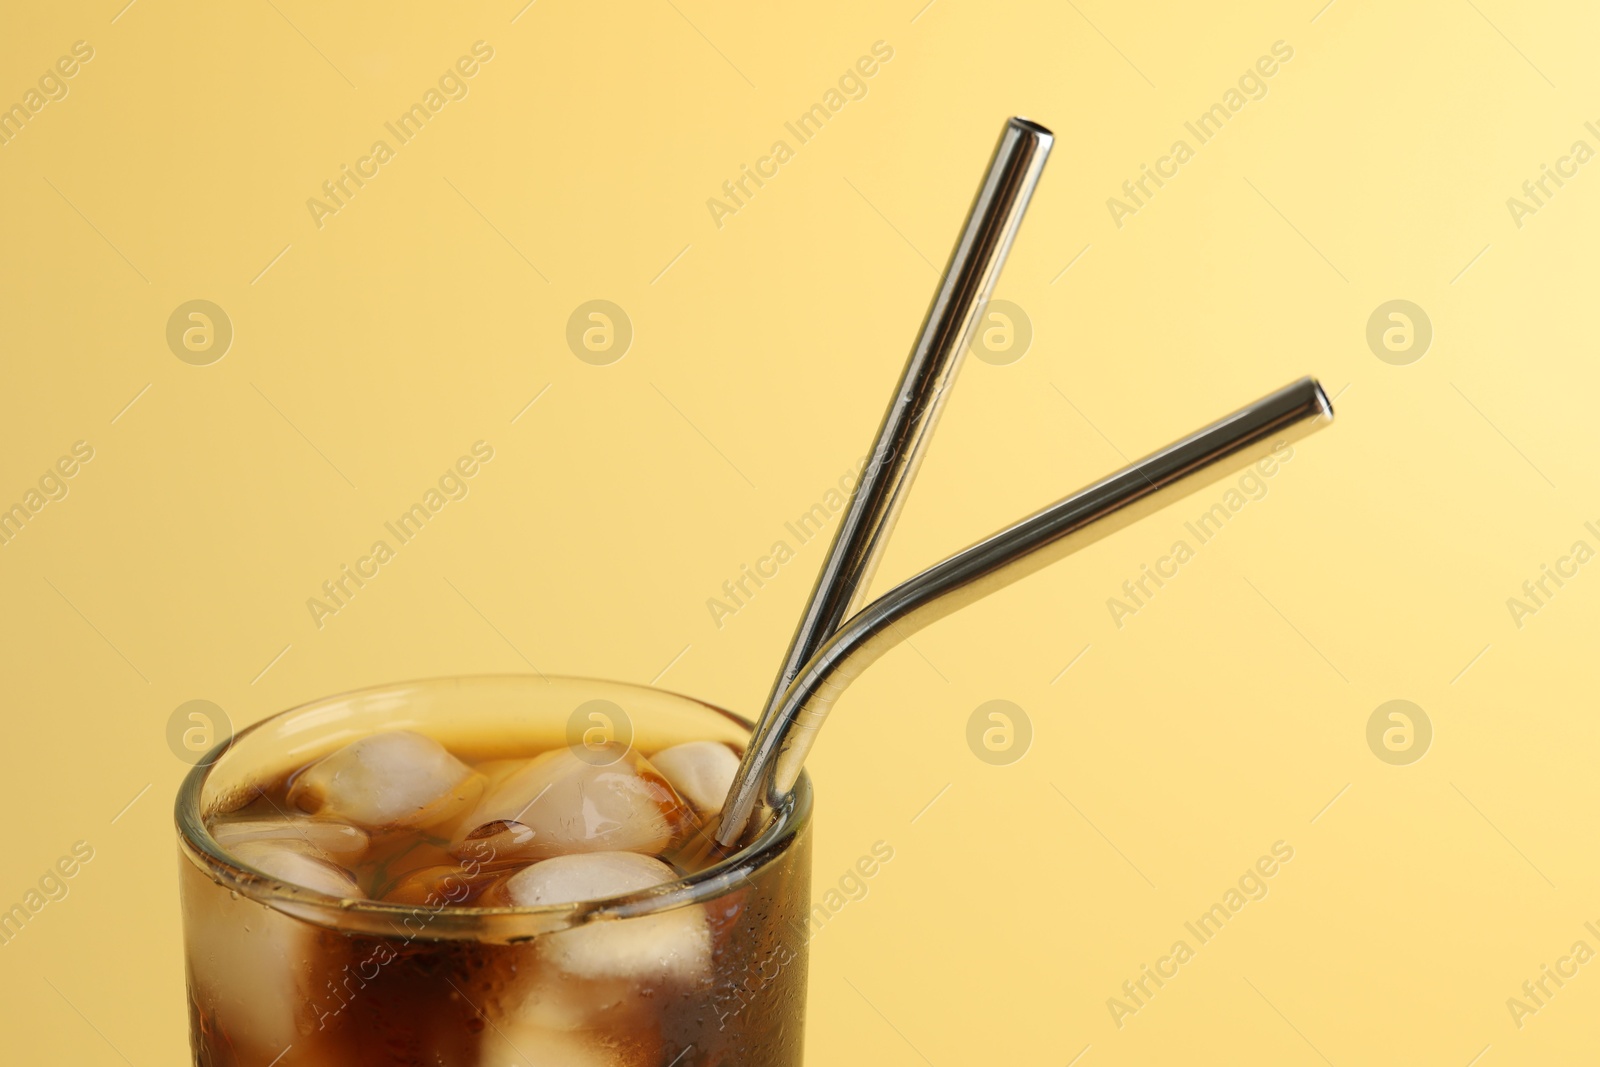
1017	122
1320	398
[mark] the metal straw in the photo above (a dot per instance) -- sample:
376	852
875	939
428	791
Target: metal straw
947	330
773	759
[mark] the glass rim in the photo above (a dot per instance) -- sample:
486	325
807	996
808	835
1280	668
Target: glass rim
508	923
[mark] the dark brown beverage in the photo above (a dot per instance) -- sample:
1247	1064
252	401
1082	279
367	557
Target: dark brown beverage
396	901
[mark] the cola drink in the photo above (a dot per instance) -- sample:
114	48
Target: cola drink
454	887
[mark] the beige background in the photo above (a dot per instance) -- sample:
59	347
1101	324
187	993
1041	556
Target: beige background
1230	713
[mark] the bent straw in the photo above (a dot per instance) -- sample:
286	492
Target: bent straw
780	744
947	330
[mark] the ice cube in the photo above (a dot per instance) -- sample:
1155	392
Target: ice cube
548	997
288	863
255	974
701	772
671	945
558	804
319	837
524	1044
397	778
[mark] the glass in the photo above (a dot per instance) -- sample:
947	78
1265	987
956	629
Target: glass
283	975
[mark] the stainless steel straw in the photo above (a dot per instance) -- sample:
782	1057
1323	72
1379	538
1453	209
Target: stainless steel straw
781	741
947	330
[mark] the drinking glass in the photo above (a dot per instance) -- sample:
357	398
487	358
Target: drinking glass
285	976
